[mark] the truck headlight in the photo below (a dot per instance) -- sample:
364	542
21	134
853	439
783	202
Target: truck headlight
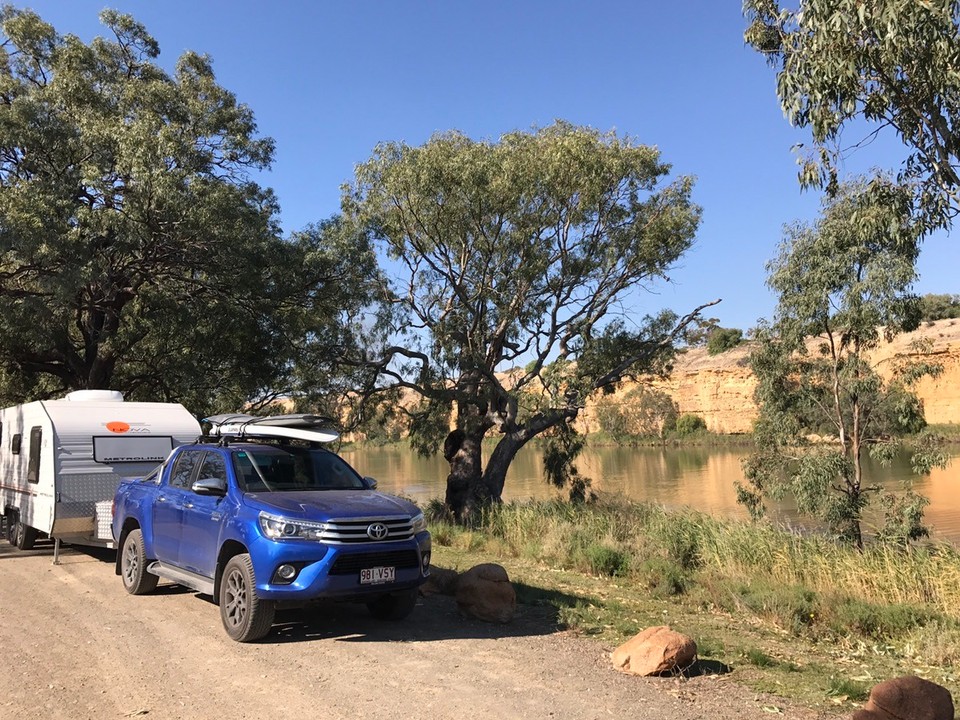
418	523
277	527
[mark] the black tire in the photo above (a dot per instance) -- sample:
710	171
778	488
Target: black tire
395	606
24	536
245	616
10	523
133	566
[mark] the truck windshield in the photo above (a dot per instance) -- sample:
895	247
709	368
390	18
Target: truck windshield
291	469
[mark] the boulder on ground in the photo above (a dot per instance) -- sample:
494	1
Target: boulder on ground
907	698
655	650
484	592
442	581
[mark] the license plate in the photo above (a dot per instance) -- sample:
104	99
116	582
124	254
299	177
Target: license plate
377	575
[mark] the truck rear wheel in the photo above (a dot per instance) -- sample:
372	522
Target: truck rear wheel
133	566
245	616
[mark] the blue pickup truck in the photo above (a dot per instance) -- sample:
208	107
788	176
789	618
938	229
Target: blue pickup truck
257	522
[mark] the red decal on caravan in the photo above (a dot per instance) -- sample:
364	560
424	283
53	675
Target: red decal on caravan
117	427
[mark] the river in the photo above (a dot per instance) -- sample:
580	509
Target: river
701	478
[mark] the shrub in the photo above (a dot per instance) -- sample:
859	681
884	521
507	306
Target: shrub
605	560
723	339
663	577
688	423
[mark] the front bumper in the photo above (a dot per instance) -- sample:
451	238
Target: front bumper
333	571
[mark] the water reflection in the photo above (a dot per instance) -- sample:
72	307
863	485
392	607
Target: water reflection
700	478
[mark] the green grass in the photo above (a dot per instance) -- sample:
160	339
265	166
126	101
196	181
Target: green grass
784	611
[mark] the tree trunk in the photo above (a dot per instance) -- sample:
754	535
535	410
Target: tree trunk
495	474
463	495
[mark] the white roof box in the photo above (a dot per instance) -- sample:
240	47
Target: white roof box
315	428
95	396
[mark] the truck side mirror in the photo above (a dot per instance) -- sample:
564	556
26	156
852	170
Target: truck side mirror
210	486
371	482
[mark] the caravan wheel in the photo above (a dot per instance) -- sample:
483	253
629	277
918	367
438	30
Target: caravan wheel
10	527
24	536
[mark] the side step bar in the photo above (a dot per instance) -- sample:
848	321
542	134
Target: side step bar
182	577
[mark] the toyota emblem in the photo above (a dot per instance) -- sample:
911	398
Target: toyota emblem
377	531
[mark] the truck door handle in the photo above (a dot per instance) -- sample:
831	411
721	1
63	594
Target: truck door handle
161	498
188	505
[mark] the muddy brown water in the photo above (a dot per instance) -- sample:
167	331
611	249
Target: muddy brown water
700	478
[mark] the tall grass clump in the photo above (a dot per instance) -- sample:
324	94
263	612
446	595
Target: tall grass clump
807	584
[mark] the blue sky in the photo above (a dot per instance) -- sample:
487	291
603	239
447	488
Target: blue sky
329	80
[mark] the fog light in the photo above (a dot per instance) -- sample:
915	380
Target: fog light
286	572
425	562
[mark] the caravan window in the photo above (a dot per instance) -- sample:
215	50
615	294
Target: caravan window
15	444
33	468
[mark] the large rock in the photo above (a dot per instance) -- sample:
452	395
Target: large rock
907	698
655	650
442	581
484	592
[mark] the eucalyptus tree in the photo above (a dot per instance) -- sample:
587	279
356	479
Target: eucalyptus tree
136	251
844	285
515	270
891	63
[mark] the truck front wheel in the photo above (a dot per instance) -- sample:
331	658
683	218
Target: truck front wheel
133	566
245	616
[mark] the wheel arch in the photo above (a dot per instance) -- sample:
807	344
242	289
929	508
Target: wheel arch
229	549
129	525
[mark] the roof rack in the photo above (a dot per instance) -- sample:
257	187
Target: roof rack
239	426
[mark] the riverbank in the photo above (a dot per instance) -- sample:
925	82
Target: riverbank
700	438
798	616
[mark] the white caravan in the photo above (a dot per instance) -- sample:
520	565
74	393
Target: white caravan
61	461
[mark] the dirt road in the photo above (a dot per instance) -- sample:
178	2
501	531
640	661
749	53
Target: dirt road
75	646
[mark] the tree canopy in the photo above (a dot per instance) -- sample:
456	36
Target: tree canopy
842	284
892	63
515	268
136	252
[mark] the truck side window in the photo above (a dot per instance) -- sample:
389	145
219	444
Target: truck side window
182	473
33	467
213	467
15	444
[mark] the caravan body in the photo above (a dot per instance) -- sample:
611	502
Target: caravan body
61	460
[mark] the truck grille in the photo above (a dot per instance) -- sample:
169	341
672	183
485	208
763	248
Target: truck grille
351	532
350	563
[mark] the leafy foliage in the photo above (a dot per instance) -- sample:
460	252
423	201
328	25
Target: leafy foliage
939	307
516	252
563	444
689	423
891	63
841	283
135	250
642	412
722	339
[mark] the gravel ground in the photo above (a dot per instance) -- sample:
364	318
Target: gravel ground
76	646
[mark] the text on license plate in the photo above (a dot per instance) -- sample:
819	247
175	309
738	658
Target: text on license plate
377	575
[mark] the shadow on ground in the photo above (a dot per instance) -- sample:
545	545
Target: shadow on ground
703	668
69	554
435	618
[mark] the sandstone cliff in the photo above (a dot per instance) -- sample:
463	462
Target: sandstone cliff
719	388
